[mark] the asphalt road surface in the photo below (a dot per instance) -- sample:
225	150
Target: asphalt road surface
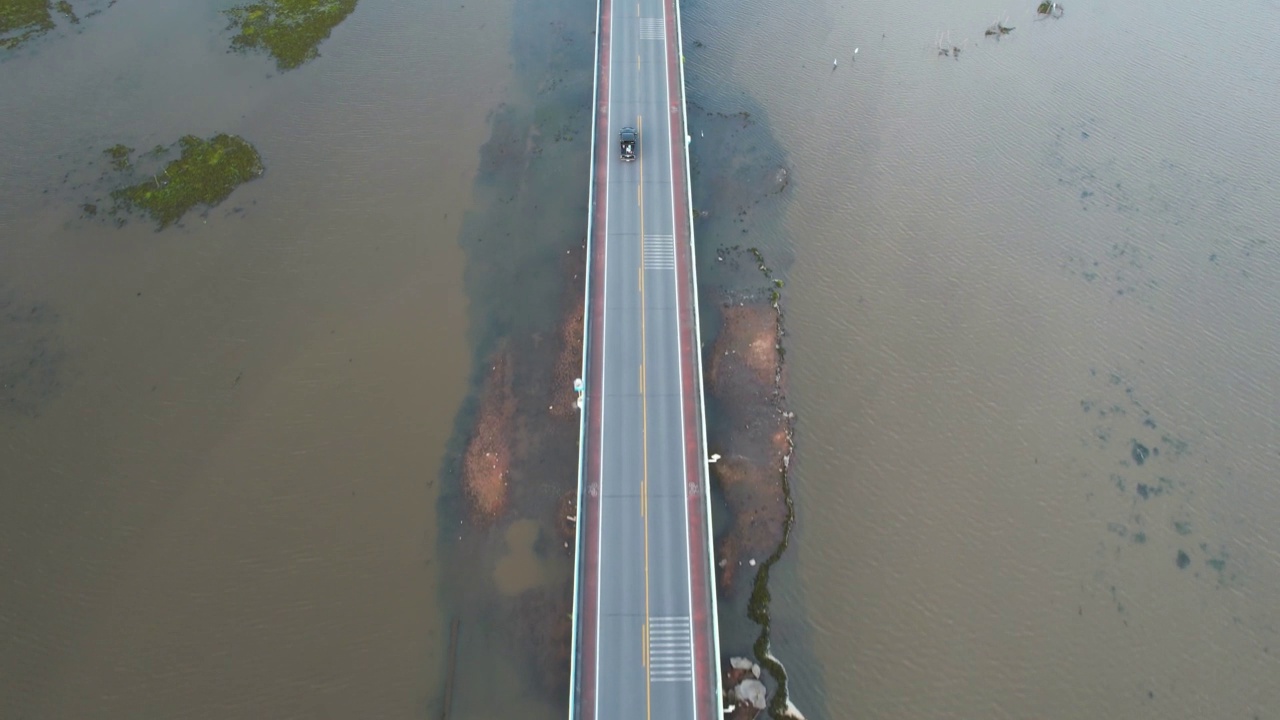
648	654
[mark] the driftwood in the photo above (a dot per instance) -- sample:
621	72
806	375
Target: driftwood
447	705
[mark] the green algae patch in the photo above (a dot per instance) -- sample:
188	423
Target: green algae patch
205	173
64	8
289	30
119	156
21	20
25	20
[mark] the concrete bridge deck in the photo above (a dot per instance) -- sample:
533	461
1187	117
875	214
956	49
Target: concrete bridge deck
645	633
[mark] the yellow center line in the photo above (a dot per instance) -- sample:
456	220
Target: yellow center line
644	645
644	424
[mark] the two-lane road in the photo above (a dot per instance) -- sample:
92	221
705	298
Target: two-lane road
645	628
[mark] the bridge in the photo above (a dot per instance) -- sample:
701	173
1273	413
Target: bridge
645	636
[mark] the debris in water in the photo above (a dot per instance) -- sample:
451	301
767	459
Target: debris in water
1139	452
1049	9
998	29
946	48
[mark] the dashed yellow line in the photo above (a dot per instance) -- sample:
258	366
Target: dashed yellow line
644	424
644	645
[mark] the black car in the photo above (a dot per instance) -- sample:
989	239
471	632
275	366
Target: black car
627	139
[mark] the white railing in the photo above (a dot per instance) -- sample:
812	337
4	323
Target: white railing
580	506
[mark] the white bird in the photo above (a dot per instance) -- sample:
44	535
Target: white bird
835	62
855	51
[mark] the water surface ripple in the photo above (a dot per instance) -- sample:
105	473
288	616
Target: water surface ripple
1035	352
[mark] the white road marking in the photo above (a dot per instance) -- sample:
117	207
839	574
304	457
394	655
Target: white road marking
659	252
670	649
652	29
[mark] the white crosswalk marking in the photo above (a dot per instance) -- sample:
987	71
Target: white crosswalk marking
659	252
652	29
670	650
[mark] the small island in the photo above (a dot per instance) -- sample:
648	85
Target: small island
206	173
21	20
289	30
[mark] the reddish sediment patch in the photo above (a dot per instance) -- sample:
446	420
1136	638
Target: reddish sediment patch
745	374
568	363
486	464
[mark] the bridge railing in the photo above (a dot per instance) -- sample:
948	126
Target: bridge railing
579	534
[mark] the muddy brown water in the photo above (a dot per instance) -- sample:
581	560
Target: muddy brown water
220	445
1032	339
1033	352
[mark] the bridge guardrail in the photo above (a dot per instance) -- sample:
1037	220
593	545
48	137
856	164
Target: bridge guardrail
582	410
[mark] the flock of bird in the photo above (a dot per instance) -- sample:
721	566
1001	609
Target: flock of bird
836	61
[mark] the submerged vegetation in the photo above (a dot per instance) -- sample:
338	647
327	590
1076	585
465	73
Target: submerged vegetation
290	30
65	9
23	20
119	155
20	20
205	174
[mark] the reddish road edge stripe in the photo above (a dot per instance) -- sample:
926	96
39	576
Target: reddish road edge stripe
590	509
705	667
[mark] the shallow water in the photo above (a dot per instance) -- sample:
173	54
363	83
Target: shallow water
1017	273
